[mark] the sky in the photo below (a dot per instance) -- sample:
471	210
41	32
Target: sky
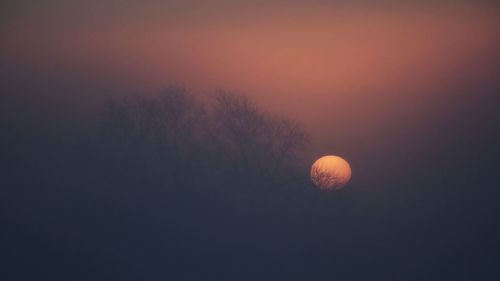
406	91
315	62
367	81
361	78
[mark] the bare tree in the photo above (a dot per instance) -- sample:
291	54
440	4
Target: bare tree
174	135
162	134
258	141
324	179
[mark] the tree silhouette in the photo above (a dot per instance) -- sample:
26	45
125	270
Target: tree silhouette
323	179
260	143
155	136
174	136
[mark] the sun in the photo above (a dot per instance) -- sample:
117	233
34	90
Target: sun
330	172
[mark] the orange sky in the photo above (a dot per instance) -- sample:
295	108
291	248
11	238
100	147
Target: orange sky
345	73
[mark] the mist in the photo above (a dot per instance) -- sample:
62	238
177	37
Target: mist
147	140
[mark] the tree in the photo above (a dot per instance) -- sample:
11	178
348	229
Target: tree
172	136
261	143
159	135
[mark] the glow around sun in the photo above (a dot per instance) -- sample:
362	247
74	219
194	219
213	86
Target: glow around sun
330	172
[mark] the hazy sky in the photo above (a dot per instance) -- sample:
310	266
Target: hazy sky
345	70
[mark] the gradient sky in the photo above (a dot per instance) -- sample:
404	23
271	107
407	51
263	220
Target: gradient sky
346	71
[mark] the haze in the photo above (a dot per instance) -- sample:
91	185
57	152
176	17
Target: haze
352	74
407	93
